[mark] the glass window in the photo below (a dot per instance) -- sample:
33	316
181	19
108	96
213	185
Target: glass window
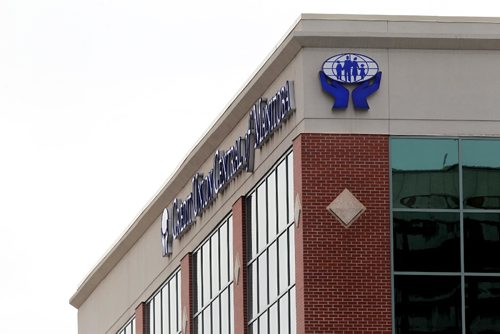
426	241
427	304
271	275
446	234
129	327
213	312
425	173
482	304
482	241
164	307
481	173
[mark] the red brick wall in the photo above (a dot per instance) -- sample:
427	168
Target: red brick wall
186	293
239	252
141	317
343	274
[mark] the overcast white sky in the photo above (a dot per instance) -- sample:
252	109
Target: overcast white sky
99	102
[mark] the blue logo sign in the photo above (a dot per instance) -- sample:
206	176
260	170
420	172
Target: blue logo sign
350	69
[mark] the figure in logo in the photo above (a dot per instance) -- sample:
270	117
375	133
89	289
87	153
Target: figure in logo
362	71
350	69
339	70
347	69
355	68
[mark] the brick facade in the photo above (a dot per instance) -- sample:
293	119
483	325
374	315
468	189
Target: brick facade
186	294
141	317
343	274
239	254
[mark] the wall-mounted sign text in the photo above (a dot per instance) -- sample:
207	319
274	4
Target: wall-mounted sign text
266	116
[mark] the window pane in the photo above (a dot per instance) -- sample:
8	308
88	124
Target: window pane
215	316
284	315
273	319
157	302
207	321
482	304
205	275
253	286
424	173
273	272
151	317
165	310
283	262
215	263
271	206
253	224
426	241
263	324
173	306
282	196
224	261
198	302
481	173
291	249
230	246
482	242
179	296
262	216
293	325
427	304
231	308
291	199
198	324
224	312
263	279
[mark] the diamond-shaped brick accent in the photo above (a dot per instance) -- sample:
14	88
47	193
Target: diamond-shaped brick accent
346	208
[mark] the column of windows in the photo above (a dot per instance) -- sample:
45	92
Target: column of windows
446	235
214	282
271	252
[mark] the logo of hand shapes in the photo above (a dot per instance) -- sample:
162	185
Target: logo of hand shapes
351	69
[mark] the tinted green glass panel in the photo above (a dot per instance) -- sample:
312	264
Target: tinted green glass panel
482	311
425	173
482	242
481	173
427	304
426	241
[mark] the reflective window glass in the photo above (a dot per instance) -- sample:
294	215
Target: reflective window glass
271	206
283	262
481	173
263	279
261	216
482	304
263	324
284	315
426	241
427	304
425	173
165	304
482	242
214	244
164	307
271	270
214	311
282	198
291	199
224	249
445	241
